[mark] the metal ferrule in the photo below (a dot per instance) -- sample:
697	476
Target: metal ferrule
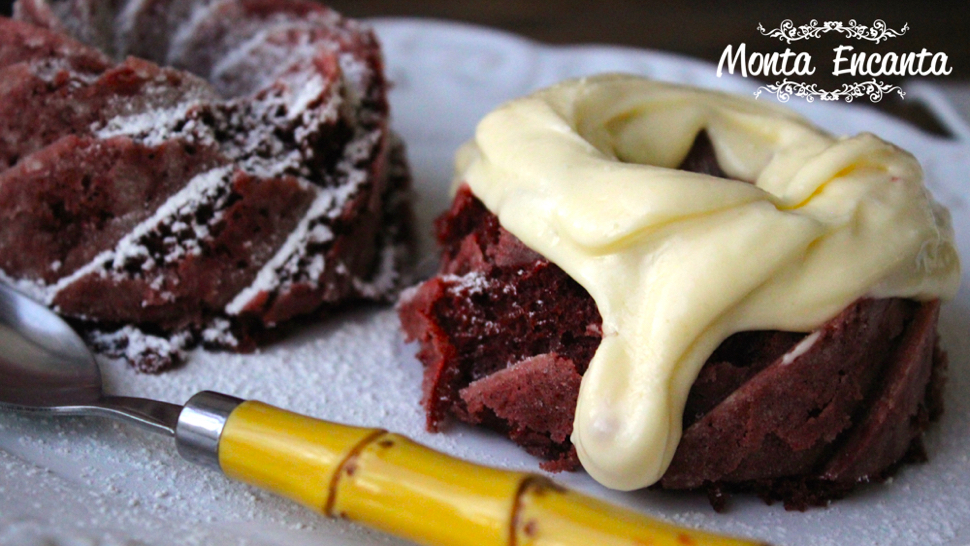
200	425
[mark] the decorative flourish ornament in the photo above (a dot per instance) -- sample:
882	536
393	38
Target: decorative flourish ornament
879	32
784	90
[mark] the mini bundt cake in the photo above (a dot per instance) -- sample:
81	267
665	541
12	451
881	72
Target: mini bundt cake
201	171
801	414
506	336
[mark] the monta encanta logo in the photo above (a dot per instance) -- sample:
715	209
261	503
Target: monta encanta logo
845	62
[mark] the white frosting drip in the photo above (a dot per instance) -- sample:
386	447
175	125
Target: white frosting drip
584	173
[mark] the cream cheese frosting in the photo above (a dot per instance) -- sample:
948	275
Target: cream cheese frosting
585	174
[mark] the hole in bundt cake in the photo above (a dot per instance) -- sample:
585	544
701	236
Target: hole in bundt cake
702	157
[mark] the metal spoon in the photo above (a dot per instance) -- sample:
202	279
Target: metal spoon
377	478
45	367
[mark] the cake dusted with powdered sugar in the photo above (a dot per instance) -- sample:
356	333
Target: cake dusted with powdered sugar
174	173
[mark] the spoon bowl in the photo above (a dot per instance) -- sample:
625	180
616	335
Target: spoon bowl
44	363
45	367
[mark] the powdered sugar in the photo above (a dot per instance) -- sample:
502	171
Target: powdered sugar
219	334
387	276
311	91
295	262
249	131
256	125
61	72
136	346
264	57
178	219
34	289
209	188
154	127
287	259
474	282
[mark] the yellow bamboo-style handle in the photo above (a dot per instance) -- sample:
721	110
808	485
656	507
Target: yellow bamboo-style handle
386	481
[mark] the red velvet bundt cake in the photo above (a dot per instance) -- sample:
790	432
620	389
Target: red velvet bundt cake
802	414
182	172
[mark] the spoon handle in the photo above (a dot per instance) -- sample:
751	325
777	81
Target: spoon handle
386	481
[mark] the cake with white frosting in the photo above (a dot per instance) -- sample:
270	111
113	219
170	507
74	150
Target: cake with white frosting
687	289
174	173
